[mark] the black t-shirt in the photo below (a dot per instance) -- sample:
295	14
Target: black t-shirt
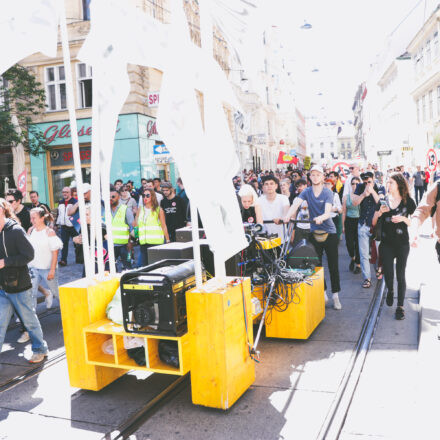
397	233
25	218
248	215
175	214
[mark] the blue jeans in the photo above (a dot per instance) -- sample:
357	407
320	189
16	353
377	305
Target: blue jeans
364	250
39	276
22	302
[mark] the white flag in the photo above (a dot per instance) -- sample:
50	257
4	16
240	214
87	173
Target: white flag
27	27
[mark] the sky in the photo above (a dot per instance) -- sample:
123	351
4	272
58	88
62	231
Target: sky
345	38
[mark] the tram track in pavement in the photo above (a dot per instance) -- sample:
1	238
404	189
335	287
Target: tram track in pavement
337	414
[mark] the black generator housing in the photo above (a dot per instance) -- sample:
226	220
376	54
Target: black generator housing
153	297
302	256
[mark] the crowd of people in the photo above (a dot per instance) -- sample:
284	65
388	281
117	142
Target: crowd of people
374	210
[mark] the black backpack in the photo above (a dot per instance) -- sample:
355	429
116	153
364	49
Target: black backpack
437	198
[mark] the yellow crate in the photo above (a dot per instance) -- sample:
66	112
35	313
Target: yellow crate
221	367
270	244
299	320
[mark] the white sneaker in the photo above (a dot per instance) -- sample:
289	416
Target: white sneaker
23	338
49	300
37	358
336	302
325	297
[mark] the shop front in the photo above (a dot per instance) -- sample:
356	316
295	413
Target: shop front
134	155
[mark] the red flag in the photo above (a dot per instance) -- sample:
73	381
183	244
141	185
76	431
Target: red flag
21	184
286	158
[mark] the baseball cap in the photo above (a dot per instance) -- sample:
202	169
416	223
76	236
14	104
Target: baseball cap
317	168
367	175
86	187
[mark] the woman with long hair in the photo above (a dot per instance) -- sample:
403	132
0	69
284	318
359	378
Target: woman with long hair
150	220
285	189
394	214
46	244
350	220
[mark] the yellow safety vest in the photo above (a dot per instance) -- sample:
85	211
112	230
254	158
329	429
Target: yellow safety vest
120	228
150	228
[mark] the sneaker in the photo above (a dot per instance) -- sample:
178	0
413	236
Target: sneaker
351	266
357	270
23	338
37	358
336	302
400	313
49	300
325	297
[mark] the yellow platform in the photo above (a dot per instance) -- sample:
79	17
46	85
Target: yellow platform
270	243
221	367
299	320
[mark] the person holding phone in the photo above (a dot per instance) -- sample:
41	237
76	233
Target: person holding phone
394	214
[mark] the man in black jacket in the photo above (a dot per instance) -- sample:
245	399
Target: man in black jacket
15	283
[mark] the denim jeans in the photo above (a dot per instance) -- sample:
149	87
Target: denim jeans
39	276
364	235
22	302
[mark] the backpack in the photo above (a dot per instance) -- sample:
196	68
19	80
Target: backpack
437	198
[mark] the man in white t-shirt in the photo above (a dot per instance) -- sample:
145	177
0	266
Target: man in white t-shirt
274	206
354	172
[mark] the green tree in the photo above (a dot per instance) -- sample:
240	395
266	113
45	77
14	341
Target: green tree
21	95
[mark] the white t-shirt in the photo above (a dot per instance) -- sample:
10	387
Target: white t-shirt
43	246
336	204
275	209
303	214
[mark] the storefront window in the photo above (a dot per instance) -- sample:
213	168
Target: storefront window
6	176
62	178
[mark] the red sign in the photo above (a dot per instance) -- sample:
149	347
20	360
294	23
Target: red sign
21	184
431	160
151	128
153	99
286	158
343	169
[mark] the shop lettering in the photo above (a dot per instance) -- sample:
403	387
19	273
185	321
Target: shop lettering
84	155
55	131
151	128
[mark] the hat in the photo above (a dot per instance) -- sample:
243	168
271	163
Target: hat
367	175
317	168
166	185
86	187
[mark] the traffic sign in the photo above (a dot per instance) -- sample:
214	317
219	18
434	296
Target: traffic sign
160	149
21	185
343	169
431	159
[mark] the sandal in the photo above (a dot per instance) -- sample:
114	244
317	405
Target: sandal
366	284
379	273
400	313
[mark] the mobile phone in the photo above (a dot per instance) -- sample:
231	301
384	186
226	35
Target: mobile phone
383	202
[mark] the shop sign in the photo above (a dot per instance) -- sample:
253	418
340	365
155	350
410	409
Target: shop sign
160	149
153	99
385	152
64	156
431	160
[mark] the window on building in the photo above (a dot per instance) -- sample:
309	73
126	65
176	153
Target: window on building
84	76
268	128
332	145
435	44
2	92
348	145
423	108
322	155
428	52
431	104
86	9
267	94
348	154
421	58
312	155
342	146
418	105
55	88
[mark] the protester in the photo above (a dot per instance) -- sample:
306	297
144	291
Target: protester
64	222
302	230
324	238
393	214
15	198
350	220
367	196
118	184
174	208
150	219
122	225
126	199
336	207
33	195
354	172
157	185
251	210
181	192
418	179
285	189
274	206
16	292
46	244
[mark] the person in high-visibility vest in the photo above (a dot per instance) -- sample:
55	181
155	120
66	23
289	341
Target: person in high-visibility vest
150	220
122	224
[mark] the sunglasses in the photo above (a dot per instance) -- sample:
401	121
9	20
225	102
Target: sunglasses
351	168
147	196
10	200
113	197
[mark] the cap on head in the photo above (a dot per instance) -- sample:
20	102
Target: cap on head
317	168
367	175
86	187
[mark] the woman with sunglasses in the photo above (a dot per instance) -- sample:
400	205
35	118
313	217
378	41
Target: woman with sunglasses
350	220
127	199
394	243
150	219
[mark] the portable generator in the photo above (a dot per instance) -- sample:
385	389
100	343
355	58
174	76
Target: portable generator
302	256
153	297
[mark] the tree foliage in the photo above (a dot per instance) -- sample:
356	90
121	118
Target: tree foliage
21	94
